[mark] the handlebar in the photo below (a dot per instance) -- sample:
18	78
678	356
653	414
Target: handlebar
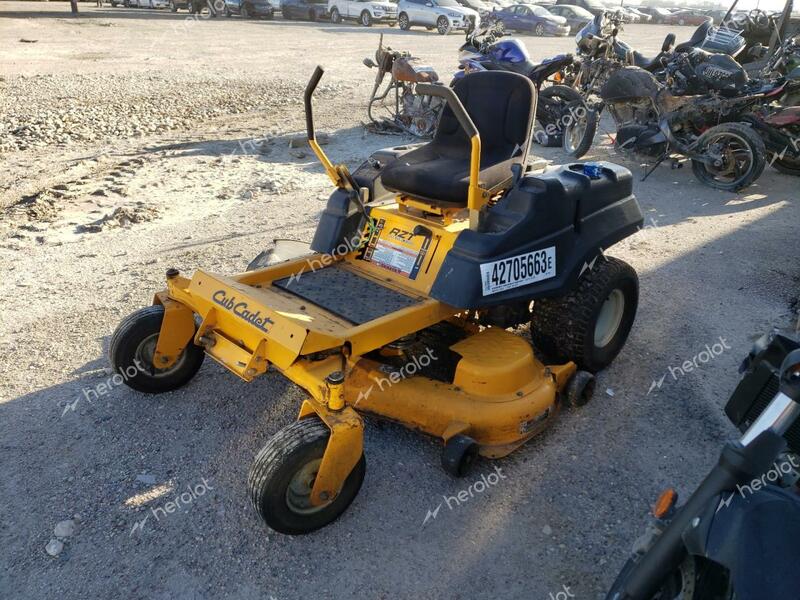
737	465
312	85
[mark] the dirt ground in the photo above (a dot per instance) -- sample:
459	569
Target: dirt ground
133	141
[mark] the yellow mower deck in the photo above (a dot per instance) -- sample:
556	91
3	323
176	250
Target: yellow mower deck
500	396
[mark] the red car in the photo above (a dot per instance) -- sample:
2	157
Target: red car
686	17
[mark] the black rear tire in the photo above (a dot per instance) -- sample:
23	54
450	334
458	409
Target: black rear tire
579	132
787	165
590	324
741	135
336	16
551	109
131	349
282	476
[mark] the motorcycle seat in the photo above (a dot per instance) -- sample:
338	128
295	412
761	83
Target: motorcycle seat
648	64
697	39
501	104
543	70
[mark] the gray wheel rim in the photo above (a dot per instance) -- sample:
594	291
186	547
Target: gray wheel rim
574	134
442	26
298	492
738	149
145	352
609	319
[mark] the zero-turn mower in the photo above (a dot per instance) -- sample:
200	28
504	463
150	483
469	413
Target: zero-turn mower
424	260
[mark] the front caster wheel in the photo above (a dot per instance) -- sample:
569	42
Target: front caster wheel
283	474
590	324
459	455
579	390
132	348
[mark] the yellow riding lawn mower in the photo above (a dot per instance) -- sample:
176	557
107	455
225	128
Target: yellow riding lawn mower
425	260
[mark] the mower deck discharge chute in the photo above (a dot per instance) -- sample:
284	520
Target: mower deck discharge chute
424	259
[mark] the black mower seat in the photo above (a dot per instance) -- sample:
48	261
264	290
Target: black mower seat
501	104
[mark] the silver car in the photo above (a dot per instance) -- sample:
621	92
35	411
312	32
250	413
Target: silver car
442	15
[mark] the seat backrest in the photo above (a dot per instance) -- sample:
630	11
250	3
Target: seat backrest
502	105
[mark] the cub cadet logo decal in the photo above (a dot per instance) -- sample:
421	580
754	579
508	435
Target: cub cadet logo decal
241	310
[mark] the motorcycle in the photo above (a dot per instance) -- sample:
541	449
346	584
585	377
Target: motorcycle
766	105
654	124
397	108
602	53
736	536
557	106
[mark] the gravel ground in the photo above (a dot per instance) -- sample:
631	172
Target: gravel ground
136	140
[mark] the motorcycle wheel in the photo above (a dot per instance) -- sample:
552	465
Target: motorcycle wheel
695	579
787	165
739	149
551	111
580	131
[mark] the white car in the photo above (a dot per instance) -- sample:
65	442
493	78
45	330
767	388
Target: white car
365	12
146	3
442	15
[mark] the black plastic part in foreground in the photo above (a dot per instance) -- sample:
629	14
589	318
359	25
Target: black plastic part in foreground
565	209
759	385
345	294
339	228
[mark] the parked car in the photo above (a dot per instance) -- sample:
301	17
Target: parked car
481	7
365	12
443	15
687	17
249	9
641	16
593	6
312	10
529	17
143	3
576	16
658	14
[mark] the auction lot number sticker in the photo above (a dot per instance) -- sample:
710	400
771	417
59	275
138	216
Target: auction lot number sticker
517	271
